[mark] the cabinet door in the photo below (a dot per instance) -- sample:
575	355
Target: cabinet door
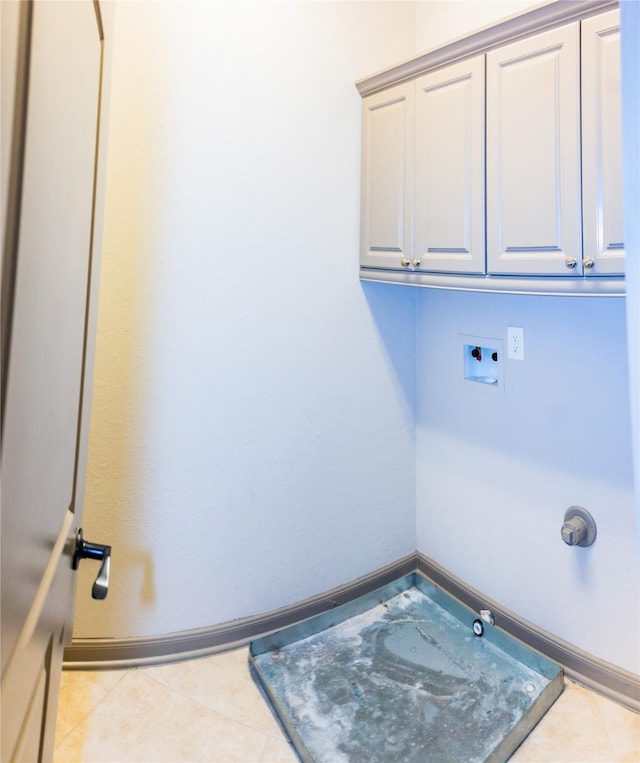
449	182
387	179
533	156
602	146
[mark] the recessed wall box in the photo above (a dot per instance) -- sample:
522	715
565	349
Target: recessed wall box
482	364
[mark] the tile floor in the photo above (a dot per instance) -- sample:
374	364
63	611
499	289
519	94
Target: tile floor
210	710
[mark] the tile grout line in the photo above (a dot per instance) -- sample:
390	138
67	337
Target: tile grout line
226	717
635	748
58	742
263	750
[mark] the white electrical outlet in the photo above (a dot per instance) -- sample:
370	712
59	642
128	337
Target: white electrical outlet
515	343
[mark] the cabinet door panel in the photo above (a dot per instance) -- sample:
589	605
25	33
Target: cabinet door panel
387	178
449	182
533	155
602	144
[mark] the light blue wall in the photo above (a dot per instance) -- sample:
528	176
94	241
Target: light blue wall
630	53
252	435
495	474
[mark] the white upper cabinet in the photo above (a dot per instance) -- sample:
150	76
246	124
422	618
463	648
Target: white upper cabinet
533	156
449	162
386	236
494	163
603	247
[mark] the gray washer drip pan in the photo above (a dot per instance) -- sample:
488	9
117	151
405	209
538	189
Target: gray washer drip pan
398	676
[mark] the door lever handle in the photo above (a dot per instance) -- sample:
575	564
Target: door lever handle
86	550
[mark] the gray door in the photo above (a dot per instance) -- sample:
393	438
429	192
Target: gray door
52	57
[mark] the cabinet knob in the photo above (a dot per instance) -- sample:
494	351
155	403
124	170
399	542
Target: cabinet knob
588	263
415	263
405	262
571	262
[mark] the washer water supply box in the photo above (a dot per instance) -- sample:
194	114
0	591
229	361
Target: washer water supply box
405	674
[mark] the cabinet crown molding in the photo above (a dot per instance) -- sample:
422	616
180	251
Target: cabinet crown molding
538	19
